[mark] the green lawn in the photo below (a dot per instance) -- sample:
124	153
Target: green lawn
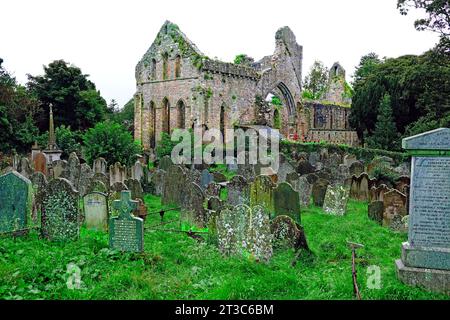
175	266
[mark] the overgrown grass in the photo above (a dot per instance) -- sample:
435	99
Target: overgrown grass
175	266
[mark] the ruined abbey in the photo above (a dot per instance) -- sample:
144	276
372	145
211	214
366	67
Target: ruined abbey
179	87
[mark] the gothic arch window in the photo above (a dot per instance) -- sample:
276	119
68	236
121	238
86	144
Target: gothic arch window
178	66
152	124
222	119
153	69
165	66
181	111
166	116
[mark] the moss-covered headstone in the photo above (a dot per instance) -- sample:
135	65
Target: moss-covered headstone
126	233
15	202
60	211
286	201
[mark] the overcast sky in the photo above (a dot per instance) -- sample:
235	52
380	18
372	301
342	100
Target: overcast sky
106	39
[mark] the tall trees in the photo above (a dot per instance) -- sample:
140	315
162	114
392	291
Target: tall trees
75	100
385	135
419	88
316	81
17	111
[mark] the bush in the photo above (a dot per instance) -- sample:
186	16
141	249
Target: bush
112	142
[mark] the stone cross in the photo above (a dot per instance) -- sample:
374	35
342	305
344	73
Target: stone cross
125	206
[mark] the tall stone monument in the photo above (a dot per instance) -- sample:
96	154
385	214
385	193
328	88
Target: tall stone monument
425	260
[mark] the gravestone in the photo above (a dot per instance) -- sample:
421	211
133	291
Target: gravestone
97	186
230	227
314	158
142	211
74	170
137	171
16	195
285	169
377	193
261	192
86	176
356	168
286	201
394	205
193	175
402	183
117	173
215	204
205	179
238	191
158	181
304	167
103	178
286	233
359	189
257	242
349	159
213	190
100	166
375	211
303	187
60	169
165	163
126	233
96	211
25	168
39	182
336	199
40	163
312	178
319	191
118	187
192	204
136	189
60	214
174	186
425	258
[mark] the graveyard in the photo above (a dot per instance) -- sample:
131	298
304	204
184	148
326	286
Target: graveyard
249	179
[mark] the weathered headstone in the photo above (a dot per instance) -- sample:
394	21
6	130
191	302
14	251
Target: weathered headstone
213	190
377	193
303	187
97	186
238	191
96	211
286	201
137	171
304	167
74	170
319	191
117	173
40	163
100	166
285	169
219	177
39	182
15	202
426	256
158	181
375	211
126	233
60	169
25	168
394	205
118	187
261	192
349	159
286	233
230	230
205	179
174	186
136	189
60	214
86	176
257	236
359	189
336	199
356	168
192	204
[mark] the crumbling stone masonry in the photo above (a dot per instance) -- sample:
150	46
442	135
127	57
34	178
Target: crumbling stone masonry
179	87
